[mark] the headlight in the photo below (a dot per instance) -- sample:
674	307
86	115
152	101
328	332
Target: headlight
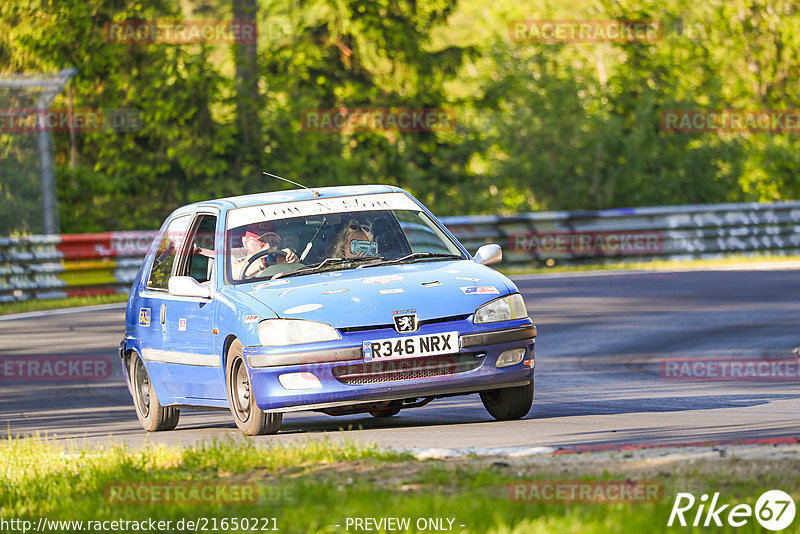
502	309
280	332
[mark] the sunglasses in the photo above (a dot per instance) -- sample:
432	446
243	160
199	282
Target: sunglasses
354	225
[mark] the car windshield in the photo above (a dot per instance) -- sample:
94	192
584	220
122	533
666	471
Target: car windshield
281	247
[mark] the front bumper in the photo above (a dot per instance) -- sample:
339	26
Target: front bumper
345	378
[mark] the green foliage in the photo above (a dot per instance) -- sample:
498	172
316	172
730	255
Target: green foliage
538	125
20	185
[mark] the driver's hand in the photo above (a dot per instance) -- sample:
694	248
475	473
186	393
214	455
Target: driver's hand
291	257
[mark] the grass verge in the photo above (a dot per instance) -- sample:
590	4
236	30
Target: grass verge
23	306
316	485
655	265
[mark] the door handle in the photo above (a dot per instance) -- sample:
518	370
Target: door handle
163	313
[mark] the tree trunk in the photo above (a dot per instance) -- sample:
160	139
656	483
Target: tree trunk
248	100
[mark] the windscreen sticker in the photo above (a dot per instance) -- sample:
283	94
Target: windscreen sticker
181	325
332	291
320	206
303	308
389	279
144	317
391	291
480	290
271	284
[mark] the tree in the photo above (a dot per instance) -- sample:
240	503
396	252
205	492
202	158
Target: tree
248	99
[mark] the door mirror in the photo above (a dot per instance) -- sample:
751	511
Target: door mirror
488	254
186	286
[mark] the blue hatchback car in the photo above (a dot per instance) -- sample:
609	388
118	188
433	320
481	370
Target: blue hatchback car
340	300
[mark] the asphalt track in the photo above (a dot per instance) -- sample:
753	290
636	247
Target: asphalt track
598	376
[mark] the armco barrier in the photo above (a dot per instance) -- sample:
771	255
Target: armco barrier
56	266
64	265
666	232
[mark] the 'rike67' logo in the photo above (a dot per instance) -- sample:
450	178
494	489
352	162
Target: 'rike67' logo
774	510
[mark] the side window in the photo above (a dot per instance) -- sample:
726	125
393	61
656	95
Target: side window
199	261
165	253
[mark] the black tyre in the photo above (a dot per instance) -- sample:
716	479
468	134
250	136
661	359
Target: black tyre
389	412
151	414
250	419
506	404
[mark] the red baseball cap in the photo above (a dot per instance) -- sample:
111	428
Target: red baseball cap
259	230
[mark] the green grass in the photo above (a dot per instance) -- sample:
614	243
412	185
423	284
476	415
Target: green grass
319	484
24	306
654	265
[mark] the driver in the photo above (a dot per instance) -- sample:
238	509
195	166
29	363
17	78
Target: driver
258	237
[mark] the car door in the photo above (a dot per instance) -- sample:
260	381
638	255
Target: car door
152	300
188	322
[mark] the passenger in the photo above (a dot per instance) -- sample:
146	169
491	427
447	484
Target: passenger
355	240
258	237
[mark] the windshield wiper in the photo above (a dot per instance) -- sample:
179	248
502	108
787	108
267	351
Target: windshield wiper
325	263
310	268
416	256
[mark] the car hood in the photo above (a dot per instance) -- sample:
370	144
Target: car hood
369	296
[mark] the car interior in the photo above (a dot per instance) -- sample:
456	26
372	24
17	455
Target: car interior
321	232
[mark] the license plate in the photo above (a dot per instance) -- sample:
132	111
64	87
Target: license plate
396	348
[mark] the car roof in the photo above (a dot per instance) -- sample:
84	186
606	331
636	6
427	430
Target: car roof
291	195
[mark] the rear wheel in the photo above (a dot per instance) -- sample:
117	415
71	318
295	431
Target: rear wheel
151	414
506	404
250	419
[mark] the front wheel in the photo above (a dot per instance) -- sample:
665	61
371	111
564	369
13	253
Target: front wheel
250	419
149	411
506	404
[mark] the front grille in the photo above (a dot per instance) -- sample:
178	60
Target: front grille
351	329
444	320
408	369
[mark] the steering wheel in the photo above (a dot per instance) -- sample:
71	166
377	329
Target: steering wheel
258	255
